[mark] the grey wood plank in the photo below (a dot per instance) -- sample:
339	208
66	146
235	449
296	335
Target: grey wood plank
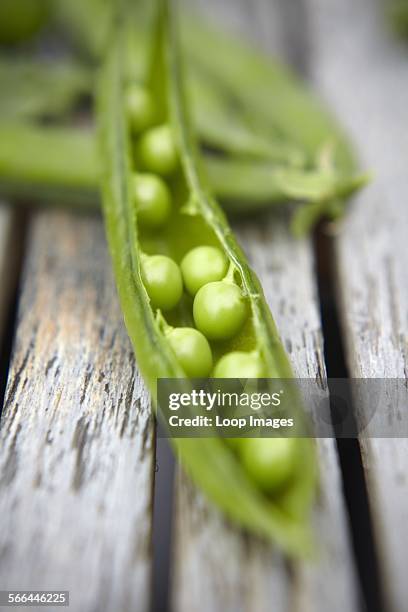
217	568
363	73
76	439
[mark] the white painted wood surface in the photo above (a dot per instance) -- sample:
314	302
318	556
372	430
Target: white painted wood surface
76	442
362	70
216	567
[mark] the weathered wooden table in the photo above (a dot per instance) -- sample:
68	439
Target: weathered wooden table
77	450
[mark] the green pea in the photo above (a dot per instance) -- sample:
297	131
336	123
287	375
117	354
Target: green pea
269	462
157	151
203	265
219	310
153	200
192	351
239	364
140	107
21	19
162	279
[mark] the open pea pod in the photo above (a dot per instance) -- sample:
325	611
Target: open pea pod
194	221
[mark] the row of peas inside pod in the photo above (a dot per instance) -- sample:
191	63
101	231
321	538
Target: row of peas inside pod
206	277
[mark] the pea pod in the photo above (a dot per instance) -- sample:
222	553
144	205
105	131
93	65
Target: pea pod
275	103
196	220
56	165
272	95
88	23
220	125
34	88
59	166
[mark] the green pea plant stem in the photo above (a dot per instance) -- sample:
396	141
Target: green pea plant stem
162	340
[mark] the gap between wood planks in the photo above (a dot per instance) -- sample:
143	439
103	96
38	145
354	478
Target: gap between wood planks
163	509
354	485
12	249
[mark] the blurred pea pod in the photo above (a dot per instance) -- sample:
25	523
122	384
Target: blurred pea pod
40	88
270	96
59	166
220	125
87	22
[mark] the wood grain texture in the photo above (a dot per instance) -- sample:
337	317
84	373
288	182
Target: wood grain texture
76	441
363	73
217	568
